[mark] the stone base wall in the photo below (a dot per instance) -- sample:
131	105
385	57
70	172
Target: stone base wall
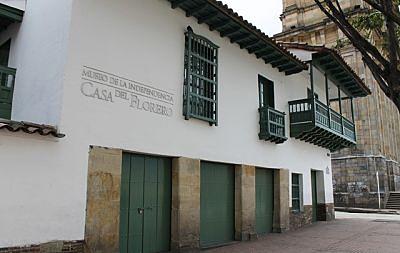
300	219
325	212
363	200
355	182
51	247
103	200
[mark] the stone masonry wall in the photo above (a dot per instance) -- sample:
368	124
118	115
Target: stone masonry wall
103	201
185	220
301	219
51	247
355	183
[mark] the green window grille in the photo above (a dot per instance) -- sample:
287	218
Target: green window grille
200	96
296	192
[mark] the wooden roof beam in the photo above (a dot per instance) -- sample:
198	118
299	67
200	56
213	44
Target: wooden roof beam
256	49
230	32
175	4
195	10
249	44
265	52
292	71
219	25
272	58
239	38
206	18
286	66
279	62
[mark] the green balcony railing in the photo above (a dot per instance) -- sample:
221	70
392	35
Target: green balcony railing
7	80
272	125
315	122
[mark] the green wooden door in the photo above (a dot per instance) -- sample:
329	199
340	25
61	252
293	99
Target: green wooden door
264	200
145	204
314	195
217	204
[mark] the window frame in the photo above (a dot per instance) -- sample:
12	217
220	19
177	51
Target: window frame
200	89
298	198
265	99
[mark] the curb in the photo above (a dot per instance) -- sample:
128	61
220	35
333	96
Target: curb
366	210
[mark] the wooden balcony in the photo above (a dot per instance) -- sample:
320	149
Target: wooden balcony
7	80
314	122
272	125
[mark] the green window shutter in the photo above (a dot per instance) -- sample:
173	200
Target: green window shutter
297	195
7	80
200	96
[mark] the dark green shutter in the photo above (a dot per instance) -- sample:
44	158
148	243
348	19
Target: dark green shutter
217	208
7	80
264	200
314	195
200	96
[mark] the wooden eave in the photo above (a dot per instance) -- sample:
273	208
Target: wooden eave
9	15
221	18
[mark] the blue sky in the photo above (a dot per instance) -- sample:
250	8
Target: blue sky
262	13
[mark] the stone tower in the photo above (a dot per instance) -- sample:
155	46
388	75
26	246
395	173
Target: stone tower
377	119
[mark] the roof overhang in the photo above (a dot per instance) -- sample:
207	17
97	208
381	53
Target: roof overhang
221	18
30	128
338	71
9	15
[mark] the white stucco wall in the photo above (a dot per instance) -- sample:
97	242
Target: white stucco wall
140	40
39	51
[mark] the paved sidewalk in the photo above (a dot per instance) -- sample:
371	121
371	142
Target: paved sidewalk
358	233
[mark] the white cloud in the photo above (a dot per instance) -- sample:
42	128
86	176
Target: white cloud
262	13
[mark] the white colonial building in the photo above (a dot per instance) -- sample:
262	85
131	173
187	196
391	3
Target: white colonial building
158	128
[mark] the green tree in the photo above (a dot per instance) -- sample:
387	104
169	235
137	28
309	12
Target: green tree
376	34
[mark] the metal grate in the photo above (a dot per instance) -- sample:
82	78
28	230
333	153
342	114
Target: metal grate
200	96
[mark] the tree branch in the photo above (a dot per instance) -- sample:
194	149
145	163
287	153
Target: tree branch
392	15
358	40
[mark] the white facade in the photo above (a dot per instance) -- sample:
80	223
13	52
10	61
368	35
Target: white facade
43	181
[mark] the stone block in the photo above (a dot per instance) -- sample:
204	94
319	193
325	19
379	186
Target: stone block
281	201
103	201
185	216
245	202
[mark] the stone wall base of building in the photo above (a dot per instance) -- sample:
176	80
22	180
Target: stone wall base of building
359	200
51	247
301	219
326	212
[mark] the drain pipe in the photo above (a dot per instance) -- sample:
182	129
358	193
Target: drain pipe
379	190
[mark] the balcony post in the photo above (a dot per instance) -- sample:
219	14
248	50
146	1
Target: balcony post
352	119
328	101
267	120
352	110
312	92
340	109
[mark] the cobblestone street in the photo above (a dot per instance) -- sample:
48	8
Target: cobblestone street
358	233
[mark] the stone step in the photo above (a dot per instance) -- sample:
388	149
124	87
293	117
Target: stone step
393	201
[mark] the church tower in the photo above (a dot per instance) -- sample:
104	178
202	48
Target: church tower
376	117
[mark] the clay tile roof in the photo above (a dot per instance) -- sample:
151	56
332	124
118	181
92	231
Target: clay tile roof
214	13
358	87
29	128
